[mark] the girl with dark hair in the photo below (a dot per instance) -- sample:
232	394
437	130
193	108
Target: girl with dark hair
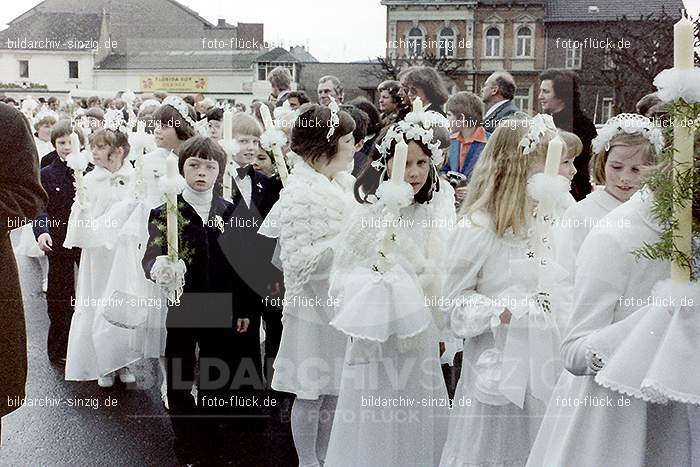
393	328
426	83
308	220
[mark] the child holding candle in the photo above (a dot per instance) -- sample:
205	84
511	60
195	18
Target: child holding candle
308	220
492	295
384	305
98	350
50	231
174	124
205	317
623	148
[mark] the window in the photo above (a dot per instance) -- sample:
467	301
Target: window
447	43
493	43
573	58
608	61
265	68
522	99
607	108
24	68
415	42
523	42
73	69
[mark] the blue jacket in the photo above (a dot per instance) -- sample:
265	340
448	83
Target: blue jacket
472	156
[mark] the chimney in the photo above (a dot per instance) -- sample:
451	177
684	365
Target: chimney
221	23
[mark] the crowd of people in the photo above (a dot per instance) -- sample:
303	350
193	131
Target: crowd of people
405	271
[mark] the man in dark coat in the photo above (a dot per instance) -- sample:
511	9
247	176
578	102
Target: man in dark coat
560	96
497	94
21	198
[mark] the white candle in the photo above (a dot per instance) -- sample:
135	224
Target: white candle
266	117
554	150
77	174
228	125
228	180
172	173
418	105
398	166
683	36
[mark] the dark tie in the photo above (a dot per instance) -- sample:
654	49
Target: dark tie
245	171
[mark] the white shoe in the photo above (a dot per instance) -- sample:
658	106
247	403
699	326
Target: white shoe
106	381
126	376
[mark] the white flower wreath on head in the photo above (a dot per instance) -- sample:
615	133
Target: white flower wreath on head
539	124
182	108
406	131
114	120
335	119
629	124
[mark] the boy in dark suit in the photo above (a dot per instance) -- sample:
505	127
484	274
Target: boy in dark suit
209	315
250	253
50	231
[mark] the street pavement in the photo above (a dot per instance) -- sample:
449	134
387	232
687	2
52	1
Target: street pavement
79	423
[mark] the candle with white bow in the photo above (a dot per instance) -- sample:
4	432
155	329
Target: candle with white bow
172	174
276	150
683	37
78	174
545	208
398	171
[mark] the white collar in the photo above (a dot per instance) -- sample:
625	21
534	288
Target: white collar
604	199
198	197
495	106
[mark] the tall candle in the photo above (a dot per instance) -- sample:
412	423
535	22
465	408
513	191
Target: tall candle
417	105
683	156
78	174
266	117
683	37
228	180
398	166
228	125
172	173
554	150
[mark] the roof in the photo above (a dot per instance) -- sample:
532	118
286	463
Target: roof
577	10
181	60
428	2
64	31
282	55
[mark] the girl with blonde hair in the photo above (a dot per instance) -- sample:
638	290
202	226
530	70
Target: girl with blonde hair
491	285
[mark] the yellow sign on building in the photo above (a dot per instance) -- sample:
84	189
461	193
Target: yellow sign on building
174	83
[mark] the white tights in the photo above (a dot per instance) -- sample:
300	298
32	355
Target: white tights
312	421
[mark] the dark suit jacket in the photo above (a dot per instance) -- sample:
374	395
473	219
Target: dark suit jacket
214	295
21	198
249	252
57	179
49	159
491	122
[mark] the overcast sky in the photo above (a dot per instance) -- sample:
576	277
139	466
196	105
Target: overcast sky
335	30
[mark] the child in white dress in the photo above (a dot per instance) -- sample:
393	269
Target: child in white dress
97	350
587	423
308	220
393	403
495	302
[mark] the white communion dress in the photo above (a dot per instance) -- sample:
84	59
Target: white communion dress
588	423
393	406
308	219
97	347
